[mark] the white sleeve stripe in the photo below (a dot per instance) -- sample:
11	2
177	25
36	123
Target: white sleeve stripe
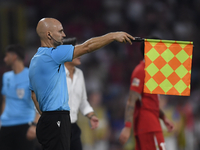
156	142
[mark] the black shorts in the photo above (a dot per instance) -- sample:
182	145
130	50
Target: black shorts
14	137
54	130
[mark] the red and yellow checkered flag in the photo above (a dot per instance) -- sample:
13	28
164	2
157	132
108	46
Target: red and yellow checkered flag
168	67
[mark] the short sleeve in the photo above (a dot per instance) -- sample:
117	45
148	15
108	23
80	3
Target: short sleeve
62	53
3	90
137	80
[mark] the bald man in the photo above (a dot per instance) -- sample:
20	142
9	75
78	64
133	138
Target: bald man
48	80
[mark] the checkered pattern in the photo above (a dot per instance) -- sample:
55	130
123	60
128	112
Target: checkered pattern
168	67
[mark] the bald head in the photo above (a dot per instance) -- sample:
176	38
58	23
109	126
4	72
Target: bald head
48	28
46	25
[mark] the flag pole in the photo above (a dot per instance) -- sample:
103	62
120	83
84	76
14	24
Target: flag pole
138	39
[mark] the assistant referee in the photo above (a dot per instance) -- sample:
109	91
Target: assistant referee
48	80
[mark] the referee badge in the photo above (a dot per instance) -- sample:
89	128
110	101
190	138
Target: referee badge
20	93
136	82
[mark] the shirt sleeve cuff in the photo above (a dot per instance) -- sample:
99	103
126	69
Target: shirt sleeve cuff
87	110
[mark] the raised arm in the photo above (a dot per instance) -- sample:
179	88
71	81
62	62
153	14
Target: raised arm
130	105
33	96
98	42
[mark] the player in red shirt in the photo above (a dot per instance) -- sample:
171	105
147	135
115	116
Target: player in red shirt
143	110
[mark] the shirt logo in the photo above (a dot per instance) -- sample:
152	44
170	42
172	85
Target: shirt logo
136	82
58	123
20	93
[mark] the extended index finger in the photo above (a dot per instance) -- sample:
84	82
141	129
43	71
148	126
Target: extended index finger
129	38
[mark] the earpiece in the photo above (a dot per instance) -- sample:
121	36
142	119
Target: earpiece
50	37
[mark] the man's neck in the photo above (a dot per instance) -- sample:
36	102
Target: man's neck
18	67
46	43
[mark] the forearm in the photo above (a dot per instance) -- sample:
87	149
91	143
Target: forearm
98	42
2	105
130	106
37	116
126	131
37	107
93	44
166	121
129	111
33	96
161	114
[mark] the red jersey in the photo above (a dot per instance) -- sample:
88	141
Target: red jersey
146	114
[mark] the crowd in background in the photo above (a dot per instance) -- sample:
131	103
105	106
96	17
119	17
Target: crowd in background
107	72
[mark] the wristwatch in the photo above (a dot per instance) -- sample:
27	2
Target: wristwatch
32	124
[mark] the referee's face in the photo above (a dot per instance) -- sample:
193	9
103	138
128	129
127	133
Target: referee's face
58	33
10	58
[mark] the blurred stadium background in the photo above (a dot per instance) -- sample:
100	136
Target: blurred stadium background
107	71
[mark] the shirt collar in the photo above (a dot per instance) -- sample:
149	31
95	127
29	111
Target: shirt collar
67	71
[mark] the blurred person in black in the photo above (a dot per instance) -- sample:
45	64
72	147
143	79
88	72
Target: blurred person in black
18	115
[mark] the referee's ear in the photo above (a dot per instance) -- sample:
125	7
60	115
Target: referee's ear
49	35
